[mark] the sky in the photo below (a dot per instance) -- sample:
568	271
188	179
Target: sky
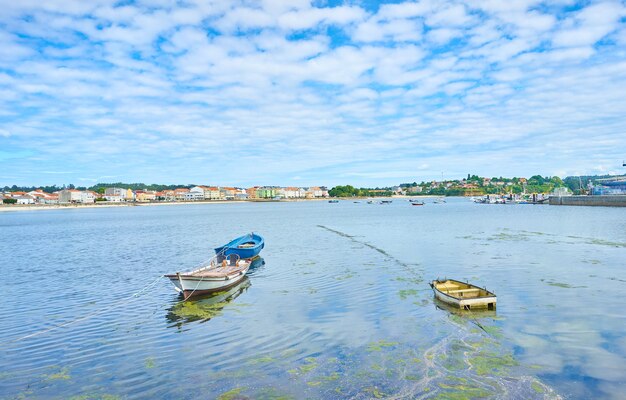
301	93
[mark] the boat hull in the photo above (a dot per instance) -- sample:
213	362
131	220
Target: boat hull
190	285
485	299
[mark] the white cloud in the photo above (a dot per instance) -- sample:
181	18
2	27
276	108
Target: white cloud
406	85
589	25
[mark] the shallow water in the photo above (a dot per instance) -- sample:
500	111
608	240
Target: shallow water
341	308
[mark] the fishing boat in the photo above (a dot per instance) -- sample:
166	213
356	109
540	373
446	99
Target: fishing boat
246	246
221	272
417	203
333	201
463	295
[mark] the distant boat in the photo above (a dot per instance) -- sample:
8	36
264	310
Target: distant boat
417	203
333	201
463	295
439	201
386	201
219	274
370	202
246	246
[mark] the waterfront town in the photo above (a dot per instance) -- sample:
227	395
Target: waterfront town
181	194
472	185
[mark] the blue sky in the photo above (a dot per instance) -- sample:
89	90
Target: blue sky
300	93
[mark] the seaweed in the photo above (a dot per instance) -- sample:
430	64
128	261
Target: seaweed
379	345
231	394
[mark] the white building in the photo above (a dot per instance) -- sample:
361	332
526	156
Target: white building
192	195
76	196
114	198
25	199
561	191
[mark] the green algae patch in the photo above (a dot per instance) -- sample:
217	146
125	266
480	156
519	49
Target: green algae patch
314	383
380	345
346	276
62	375
197	310
231	394
461	392
332	377
564	285
374	392
377	367
95	396
272	394
492	330
606	243
537	387
491	364
404	294
149	363
261	360
310	365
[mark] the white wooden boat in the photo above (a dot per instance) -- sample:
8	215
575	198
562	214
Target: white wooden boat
463	295
219	274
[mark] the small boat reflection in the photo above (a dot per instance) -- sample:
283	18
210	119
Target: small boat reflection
256	266
204	308
471	314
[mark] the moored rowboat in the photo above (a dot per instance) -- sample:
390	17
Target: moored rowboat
221	273
463	295
246	246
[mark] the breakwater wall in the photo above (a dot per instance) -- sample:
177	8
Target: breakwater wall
602	201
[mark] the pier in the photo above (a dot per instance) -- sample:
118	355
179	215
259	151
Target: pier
600	201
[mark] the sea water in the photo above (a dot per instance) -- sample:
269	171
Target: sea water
339	307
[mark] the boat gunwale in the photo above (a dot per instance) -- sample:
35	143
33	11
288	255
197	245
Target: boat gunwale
488	296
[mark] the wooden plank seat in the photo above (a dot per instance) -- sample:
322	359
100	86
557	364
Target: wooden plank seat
216	273
463	290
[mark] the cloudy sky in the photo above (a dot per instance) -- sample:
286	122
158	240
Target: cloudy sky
289	92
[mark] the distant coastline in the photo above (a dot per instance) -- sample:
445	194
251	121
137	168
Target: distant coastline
74	206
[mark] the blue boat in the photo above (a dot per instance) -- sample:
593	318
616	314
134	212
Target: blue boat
246	246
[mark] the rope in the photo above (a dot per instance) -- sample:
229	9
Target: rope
55	327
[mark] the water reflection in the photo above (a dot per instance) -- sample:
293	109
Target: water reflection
204	308
257	265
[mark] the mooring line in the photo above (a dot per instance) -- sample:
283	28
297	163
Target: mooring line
55	327
371	246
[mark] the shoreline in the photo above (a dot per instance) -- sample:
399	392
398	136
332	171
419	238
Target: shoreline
39	207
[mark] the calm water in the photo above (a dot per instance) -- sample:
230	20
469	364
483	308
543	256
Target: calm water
340	308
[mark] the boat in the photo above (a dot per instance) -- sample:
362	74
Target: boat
417	203
220	273
246	246
386	201
333	201
463	294
439	201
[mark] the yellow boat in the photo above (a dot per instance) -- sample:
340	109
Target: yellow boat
463	295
